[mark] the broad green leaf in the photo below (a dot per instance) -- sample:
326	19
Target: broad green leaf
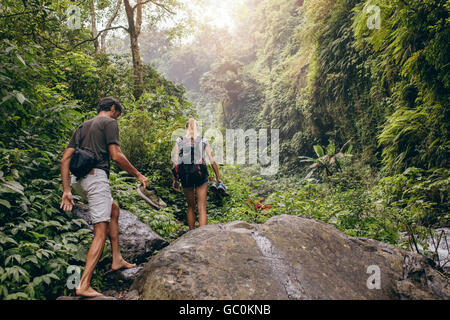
53	276
20	97
3	291
14	186
319	151
16	257
4	239
14	296
30	258
5	203
21	59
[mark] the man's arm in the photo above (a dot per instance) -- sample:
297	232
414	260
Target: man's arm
67	198
118	157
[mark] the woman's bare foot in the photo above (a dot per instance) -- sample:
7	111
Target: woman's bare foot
87	293
122	264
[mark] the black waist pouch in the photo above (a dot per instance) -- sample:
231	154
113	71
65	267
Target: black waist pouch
83	160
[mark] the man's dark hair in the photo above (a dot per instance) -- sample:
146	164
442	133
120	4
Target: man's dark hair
106	103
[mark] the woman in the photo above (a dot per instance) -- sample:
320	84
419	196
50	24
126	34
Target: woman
190	167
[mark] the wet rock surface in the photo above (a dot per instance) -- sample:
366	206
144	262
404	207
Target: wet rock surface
288	257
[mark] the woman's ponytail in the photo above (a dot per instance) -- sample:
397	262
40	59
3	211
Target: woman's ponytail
191	128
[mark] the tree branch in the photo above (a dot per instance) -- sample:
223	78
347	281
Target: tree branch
82	42
49	40
98	35
155	3
18	14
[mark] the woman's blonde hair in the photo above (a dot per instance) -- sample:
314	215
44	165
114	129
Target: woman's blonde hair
191	128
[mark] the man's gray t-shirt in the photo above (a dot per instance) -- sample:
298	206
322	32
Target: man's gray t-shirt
103	131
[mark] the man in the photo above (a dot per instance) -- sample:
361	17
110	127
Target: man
101	135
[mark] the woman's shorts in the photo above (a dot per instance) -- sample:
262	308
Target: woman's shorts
195	184
94	188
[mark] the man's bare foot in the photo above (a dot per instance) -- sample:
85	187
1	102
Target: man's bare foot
87	293
122	264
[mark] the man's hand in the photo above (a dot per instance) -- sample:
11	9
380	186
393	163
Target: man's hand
175	186
118	157
67	201
67	198
142	179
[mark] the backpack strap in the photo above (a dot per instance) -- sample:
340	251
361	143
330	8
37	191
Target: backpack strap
78	137
78	140
180	151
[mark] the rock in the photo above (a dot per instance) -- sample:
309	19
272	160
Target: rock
137	240
442	242
130	274
288	257
85	298
119	282
132	295
125	276
420	281
441	254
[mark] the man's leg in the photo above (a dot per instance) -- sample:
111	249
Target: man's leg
94	254
113	231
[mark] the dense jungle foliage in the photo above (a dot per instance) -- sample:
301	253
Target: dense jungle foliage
363	114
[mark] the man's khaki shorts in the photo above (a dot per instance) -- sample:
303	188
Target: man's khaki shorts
94	188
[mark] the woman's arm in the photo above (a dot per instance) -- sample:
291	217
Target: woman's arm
175	185
213	163
175	157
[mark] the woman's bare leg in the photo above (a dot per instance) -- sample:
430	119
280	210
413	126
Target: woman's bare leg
189	193
201	204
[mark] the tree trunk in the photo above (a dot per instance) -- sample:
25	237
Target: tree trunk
108	25
137	67
134	29
94	27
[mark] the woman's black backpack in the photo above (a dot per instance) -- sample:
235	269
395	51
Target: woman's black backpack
191	168
83	159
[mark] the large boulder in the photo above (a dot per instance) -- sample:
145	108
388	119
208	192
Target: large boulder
137	240
288	257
